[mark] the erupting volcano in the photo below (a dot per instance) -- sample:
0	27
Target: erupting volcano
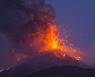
50	40
37	39
34	30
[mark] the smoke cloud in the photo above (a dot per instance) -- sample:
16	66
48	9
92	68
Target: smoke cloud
18	18
20	15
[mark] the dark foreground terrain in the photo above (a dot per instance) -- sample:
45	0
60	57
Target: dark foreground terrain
48	65
64	71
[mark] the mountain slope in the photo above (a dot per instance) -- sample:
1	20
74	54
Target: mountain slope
43	61
65	71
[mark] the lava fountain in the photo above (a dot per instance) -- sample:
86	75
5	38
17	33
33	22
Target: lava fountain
49	40
31	27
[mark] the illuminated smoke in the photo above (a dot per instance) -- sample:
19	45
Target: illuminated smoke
18	18
23	15
22	21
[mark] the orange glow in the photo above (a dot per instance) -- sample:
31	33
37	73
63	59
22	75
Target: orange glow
50	40
53	42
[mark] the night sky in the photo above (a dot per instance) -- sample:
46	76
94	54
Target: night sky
78	17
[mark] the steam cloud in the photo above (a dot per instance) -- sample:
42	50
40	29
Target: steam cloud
17	19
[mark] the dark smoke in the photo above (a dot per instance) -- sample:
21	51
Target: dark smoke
17	16
17	19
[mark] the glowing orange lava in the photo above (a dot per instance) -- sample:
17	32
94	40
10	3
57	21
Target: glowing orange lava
49	40
53	42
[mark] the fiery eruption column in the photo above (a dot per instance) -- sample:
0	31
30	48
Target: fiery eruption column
50	40
31	28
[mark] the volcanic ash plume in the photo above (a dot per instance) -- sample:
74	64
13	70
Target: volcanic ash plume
21	17
30	25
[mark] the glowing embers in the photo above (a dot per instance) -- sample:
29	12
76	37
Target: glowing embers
60	54
5	69
21	56
1	70
56	43
78	58
53	42
49	40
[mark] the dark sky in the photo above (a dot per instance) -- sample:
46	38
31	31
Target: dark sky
78	16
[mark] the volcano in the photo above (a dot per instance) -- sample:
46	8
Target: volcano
43	61
37	39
